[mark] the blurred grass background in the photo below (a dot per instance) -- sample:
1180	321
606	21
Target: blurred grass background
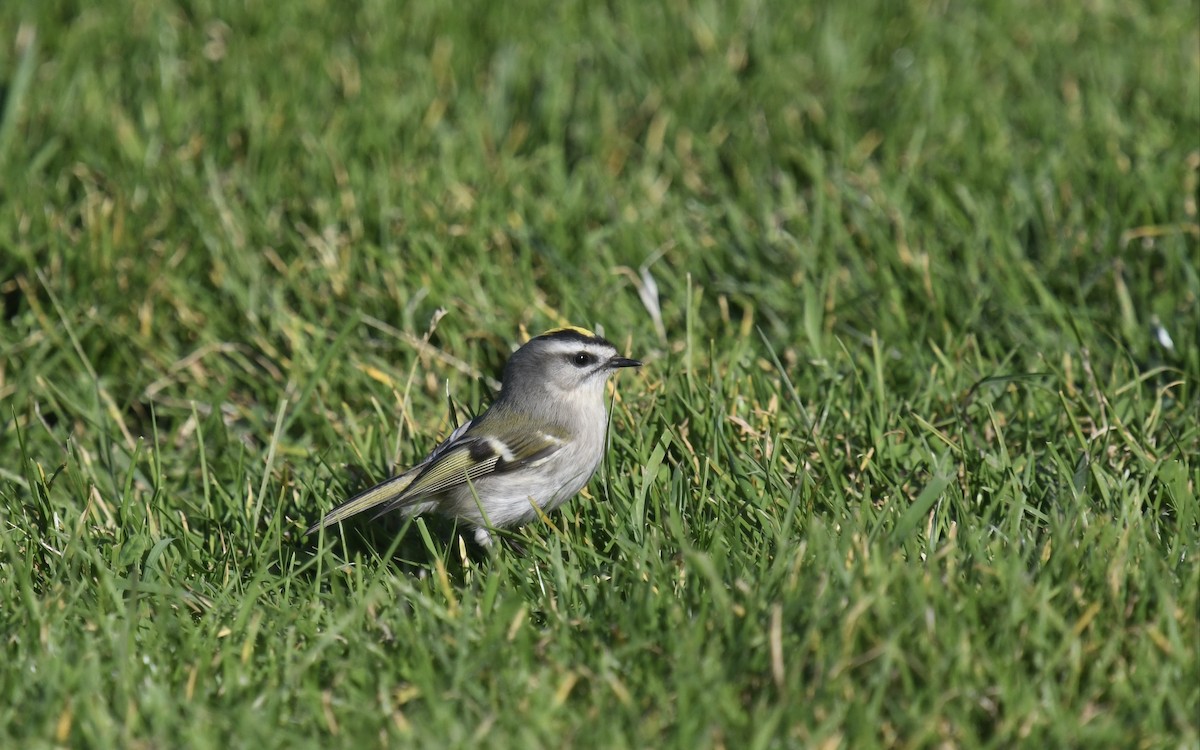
913	461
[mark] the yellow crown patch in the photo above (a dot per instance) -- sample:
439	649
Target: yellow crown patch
571	329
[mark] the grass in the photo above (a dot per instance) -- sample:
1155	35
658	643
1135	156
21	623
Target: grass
913	461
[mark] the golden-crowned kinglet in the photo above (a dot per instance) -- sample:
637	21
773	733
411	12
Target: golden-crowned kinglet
538	444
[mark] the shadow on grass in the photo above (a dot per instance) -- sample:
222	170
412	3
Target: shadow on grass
412	545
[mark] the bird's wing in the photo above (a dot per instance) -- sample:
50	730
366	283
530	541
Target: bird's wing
391	490
384	492
459	459
473	457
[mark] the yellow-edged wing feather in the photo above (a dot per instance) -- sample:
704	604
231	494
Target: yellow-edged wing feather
384	492
467	461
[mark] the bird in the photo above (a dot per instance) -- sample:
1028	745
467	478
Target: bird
532	450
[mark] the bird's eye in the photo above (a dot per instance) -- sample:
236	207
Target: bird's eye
582	359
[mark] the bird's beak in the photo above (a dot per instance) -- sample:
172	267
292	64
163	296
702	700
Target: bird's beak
616	362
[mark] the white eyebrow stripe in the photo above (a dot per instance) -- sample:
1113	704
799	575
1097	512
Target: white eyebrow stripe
570	347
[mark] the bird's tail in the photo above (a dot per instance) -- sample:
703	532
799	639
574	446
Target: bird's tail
385	492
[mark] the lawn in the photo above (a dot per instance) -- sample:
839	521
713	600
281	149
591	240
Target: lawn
913	460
